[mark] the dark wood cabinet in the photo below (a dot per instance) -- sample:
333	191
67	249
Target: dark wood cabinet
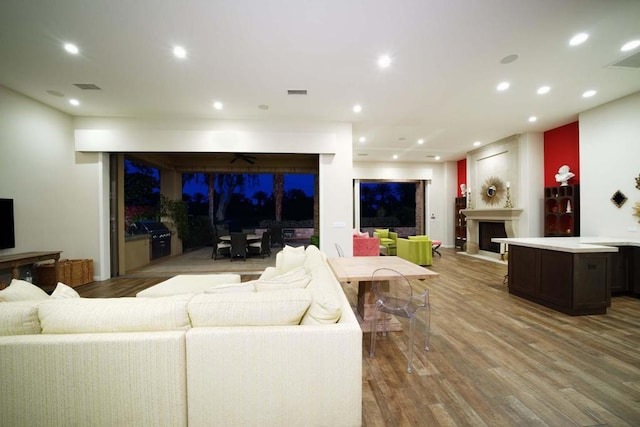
561	211
573	283
460	222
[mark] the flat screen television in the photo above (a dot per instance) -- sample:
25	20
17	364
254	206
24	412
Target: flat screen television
7	232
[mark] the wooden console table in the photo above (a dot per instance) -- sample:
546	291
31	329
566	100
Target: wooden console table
15	261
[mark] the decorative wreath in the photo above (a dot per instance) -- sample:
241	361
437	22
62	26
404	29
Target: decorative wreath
492	191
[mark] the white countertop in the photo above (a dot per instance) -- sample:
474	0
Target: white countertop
571	244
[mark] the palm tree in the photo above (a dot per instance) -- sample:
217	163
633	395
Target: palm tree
278	192
227	184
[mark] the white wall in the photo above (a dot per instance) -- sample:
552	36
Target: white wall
55	190
610	161
332	141
519	160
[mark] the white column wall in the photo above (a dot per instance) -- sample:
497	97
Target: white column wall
610	161
57	192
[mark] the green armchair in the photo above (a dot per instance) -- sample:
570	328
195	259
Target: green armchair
387	238
416	249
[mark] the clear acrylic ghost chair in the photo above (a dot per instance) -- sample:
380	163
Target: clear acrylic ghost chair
394	295
339	250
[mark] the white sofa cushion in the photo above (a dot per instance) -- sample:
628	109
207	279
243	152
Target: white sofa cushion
90	315
19	318
290	258
313	257
19	290
296	278
232	287
188	284
326	306
63	291
284	307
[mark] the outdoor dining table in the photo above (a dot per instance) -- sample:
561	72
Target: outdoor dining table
250	238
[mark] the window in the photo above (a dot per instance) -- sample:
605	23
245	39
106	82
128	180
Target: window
388	204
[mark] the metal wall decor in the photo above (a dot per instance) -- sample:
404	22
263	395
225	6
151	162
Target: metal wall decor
492	190
638	182
618	198
636	208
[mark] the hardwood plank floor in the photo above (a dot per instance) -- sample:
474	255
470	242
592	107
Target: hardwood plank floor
495	359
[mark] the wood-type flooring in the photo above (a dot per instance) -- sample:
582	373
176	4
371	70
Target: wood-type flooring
495	359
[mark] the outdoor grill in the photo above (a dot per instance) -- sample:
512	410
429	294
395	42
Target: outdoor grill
159	237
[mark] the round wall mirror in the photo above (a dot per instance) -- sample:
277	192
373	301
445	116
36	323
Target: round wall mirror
492	191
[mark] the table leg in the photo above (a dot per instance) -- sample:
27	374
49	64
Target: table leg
366	309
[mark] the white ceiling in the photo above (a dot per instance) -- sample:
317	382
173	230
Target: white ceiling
440	87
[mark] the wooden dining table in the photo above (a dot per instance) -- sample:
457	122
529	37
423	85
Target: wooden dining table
360	269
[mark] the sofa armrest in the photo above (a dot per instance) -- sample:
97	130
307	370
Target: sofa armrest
416	251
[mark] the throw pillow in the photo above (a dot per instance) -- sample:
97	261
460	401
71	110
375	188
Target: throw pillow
19	318
295	249
292	259
19	290
326	306
382	233
64	291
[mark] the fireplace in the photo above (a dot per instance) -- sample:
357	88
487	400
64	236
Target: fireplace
486	232
507	218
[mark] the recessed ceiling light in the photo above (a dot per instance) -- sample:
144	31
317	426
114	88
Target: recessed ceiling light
543	89
218	105
578	39
263	106
589	93
630	45
533	119
362	139
477	143
421	141
384	61
74	102
55	93
437	157
395	156
179	52
502	86
509	59
357	108
71	48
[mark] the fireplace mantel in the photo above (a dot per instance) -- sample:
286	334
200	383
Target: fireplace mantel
507	215
502	214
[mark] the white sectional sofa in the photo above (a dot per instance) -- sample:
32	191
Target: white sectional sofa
285	350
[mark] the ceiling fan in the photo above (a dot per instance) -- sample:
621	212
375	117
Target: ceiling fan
249	159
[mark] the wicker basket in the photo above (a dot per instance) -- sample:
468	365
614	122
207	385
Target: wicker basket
71	272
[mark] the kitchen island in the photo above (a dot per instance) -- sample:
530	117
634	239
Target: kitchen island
574	275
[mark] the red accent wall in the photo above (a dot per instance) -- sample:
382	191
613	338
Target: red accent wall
561	147
462	175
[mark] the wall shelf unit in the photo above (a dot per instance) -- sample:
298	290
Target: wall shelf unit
460	222
561	211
